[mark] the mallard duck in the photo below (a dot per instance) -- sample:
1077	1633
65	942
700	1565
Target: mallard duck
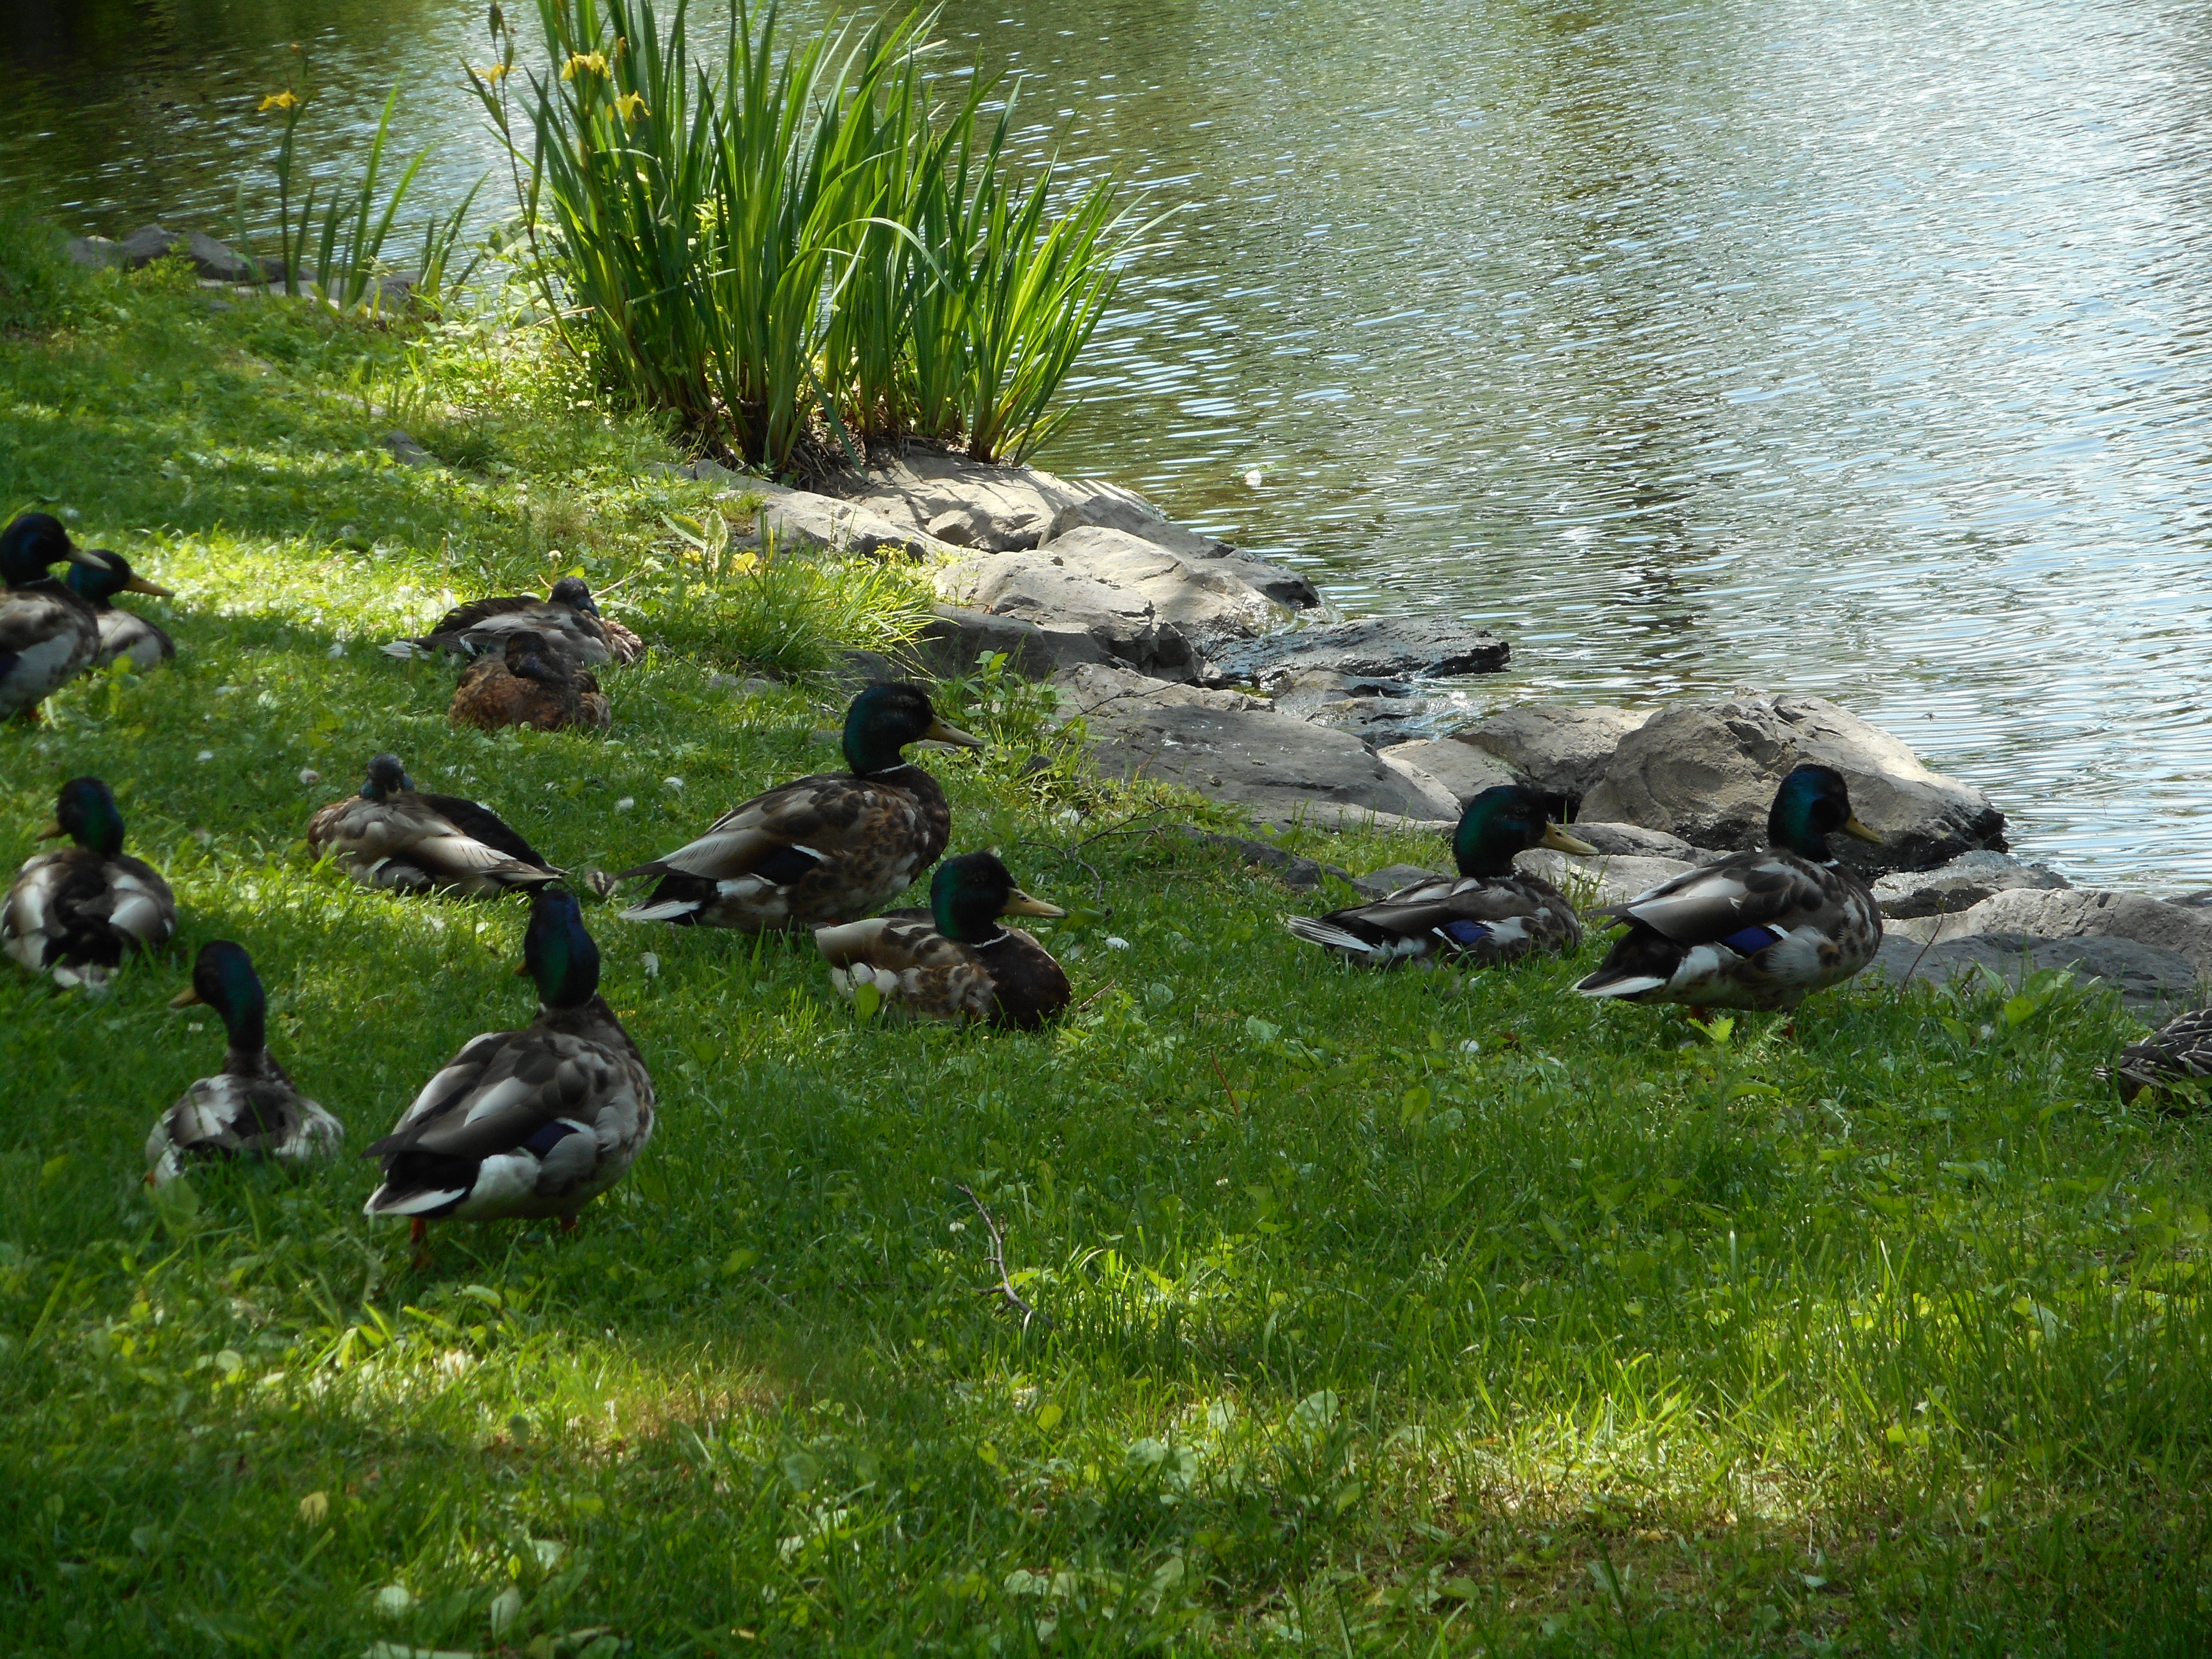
249	1109
568	618
533	1122
122	632
953	960
2179	1051
48	635
1759	930
822	849
391	835
77	913
1491	912
529	685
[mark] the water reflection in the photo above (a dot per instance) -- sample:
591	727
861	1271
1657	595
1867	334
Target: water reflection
1855	347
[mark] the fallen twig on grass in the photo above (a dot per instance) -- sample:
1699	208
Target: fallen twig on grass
1093	996
998	1261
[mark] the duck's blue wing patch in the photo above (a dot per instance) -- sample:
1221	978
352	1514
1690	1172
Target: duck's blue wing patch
1460	931
1750	941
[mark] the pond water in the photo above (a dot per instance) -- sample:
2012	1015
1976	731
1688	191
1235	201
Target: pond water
1848	346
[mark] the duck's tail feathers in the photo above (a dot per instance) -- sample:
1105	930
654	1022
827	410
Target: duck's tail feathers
653	868
405	650
1618	982
422	1201
1319	930
668	910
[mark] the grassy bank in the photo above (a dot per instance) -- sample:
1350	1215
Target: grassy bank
1421	1314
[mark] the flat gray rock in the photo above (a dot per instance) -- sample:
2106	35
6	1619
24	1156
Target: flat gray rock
406	451
1707	771
94	252
2074	912
1282	769
1095	688
1634	841
1963	883
809	520
1462	771
1384	648
1594	882
2149	980
1064	596
1563	751
955	638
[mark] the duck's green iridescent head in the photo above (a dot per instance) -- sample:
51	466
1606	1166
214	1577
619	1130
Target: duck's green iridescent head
1812	803
86	812
387	776
557	952
884	719
969	894
223	978
572	591
101	582
33	542
1501	822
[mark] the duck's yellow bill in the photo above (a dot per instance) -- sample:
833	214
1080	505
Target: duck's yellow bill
1019	903
1854	828
1561	842
522	969
140	585
945	733
53	831
185	999
89	557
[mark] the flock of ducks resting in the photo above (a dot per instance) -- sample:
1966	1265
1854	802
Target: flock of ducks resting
536	1122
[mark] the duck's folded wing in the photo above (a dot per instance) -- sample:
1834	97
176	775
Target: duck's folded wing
29	917
1719	903
479	822
784	834
894	942
1424	905
139	901
499	1093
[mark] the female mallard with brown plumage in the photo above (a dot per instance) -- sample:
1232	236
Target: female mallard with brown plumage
392	835
48	635
531	1123
250	1108
531	684
122	632
956	960
77	913
826	848
2179	1053
568	619
1490	913
1759	930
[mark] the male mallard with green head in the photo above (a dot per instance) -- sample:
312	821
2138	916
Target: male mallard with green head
1491	913
250	1108
529	1123
826	848
391	835
48	635
77	913
122	632
955	960
1759	930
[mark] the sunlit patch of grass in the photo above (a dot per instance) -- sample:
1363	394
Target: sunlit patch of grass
1417	1313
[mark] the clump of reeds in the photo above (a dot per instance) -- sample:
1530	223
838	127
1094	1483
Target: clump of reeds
798	250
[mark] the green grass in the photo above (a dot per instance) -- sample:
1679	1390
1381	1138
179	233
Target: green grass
1425	1314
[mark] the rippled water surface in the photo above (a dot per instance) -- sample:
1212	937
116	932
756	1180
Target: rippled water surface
1836	347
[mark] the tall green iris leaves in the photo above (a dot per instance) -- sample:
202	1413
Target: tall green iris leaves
800	249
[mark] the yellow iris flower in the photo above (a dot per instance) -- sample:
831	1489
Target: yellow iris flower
595	62
630	105
287	98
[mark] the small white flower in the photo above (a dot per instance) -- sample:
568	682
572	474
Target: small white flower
308	775
437	924
394	1600
337	649
68	513
206	755
671	783
625	803
1470	1047
652	965
1115	942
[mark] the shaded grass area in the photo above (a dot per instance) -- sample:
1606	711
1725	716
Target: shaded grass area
1424	1314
